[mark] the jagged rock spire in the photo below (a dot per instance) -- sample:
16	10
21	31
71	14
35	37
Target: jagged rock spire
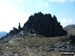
44	24
19	27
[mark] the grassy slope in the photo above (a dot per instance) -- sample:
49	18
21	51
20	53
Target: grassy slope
26	46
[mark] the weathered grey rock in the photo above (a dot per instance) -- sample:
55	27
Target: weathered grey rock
45	25
11	41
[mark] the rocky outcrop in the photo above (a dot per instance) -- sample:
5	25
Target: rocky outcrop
43	24
15	30
72	39
12	32
39	24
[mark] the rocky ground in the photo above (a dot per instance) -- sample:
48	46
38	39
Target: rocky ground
34	46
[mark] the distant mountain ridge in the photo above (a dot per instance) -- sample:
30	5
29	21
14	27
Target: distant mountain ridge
70	29
2	34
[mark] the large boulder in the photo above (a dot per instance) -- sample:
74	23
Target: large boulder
44	24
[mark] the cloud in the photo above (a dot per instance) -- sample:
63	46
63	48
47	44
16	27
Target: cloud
42	4
62	0
19	1
11	16
46	4
66	21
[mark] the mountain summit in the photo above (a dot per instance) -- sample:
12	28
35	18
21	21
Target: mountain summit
43	24
40	24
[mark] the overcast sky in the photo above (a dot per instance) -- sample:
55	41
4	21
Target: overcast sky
14	11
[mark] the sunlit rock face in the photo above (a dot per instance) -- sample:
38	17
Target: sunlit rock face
43	24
